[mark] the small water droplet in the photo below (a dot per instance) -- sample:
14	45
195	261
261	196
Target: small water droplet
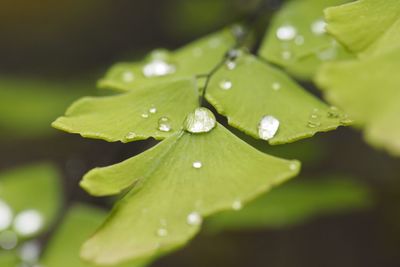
286	33
268	127
202	120
276	86
145	115
153	110
299	40
197	164
194	219
164	124
162	232
333	112
293	166
286	55
130	136
127	76
28	222
29	252
318	27
6	215
238	30
158	67
8	240
225	84
237	205
314	120
230	64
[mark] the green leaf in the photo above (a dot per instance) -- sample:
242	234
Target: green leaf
27	107
367	88
367	27
258	89
133	115
8	258
169	194
78	224
297	41
197	58
34	187
295	203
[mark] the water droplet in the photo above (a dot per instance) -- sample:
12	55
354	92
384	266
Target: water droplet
268	127
130	136
127	76
197	164
164	124
194	218
286	55
299	40
276	86
197	52
286	33
162	232
333	112
158	67
6	215
8	240
314	120
230	64
201	120
237	205
30	251
145	115
238	30
318	27
28	222
293	166
225	84
153	110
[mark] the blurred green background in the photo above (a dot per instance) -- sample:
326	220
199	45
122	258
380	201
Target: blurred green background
52	52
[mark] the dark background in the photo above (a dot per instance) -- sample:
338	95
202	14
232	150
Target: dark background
68	40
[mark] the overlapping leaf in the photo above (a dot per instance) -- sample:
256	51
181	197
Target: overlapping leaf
197	58
133	115
367	88
168	195
257	89
297	41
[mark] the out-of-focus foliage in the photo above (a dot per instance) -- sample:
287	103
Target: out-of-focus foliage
367	88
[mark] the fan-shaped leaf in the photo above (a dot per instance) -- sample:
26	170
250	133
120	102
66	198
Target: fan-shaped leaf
172	186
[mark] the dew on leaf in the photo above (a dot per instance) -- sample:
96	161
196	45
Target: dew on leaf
162	232
286	55
202	120
276	86
158	67
8	240
299	40
6	215
268	127
194	218
164	124
237	205
127	76
314	119
286	33
28	222
153	110
197	164
293	166
333	112
318	27
29	252
238	30
230	64
145	115
225	84
130	136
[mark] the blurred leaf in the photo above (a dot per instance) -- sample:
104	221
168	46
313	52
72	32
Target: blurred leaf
168	196
197	58
8	258
294	203
258	89
120	117
27	107
297	41
34	187
63	248
367	88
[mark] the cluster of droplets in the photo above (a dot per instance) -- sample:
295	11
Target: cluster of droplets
316	116
23	225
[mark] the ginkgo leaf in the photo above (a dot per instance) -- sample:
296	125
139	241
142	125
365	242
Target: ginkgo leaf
156	111
77	225
367	27
172	187
32	193
194	59
367	88
254	89
295	203
297	36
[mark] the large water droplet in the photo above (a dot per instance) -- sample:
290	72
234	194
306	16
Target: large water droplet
194	218
268	127
158	67
164	124
225	84
286	33
318	27
127	76
162	232
237	205
197	164
201	120
8	240
28	222
6	215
